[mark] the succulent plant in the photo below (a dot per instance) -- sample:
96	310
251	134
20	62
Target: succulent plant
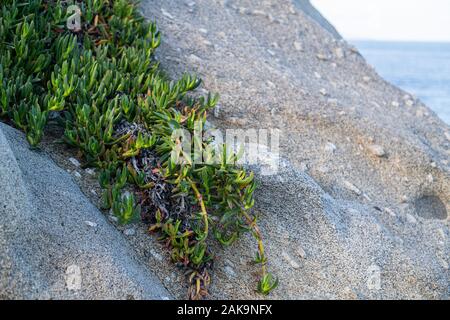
120	111
125	208
36	120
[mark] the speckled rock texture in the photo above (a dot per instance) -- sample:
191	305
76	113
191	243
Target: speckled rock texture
54	244
359	208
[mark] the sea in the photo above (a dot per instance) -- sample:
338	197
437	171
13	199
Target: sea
422	69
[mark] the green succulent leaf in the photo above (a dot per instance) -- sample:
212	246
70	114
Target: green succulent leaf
267	284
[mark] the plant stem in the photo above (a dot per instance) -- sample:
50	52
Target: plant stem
202	205
259	239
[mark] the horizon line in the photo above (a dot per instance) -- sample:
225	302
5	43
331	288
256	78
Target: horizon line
350	39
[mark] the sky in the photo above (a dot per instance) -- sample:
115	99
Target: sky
394	20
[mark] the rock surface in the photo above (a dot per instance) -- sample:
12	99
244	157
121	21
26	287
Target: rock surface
327	233
54	244
306	7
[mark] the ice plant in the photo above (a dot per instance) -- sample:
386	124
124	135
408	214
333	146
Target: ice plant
101	83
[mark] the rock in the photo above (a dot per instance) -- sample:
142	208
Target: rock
377	150
289	259
441	234
390	212
349	294
339	53
409	103
411	219
354	49
323	91
166	14
350	186
216	111
194	58
129	232
447	135
322	57
332	102
395	104
236	121
91	224
309	10
75	162
113	218
298	46
330	147
44	254
208	43
244	10
257	12
156	255
229	271
301	253
90	171
367	79
303	167
77	174
271	84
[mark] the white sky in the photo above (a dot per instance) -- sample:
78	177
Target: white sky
408	20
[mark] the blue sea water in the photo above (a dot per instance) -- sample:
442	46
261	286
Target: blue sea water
422	69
